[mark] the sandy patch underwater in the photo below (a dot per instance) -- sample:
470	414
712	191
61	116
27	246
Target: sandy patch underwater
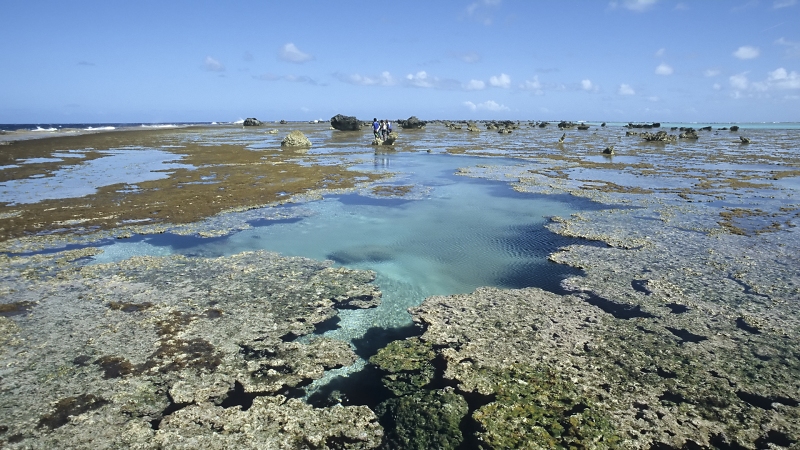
682	330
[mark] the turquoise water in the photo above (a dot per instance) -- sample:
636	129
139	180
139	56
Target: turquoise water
450	234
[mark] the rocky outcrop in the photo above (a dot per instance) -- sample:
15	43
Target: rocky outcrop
744	140
345	123
412	123
252	122
388	141
735	128
688	133
473	127
564	125
643	125
608	150
295	139
584	126
661	136
195	352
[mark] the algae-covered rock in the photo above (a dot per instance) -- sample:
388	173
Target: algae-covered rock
409	364
296	138
167	352
536	409
423	420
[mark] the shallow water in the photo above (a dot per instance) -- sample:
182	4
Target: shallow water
451	235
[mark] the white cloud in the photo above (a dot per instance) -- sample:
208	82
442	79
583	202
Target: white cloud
711	72
783	3
421	79
660	52
663	69
489	105
384	79
291	53
212	65
746	52
653	98
792	48
475	85
633	5
625	89
477	10
716	86
782	79
532	85
739	81
502	81
291	78
587	85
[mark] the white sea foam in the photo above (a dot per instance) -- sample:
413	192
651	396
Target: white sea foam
163	125
44	129
100	128
239	122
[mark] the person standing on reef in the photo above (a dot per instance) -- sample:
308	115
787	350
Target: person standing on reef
383	130
376	127
388	128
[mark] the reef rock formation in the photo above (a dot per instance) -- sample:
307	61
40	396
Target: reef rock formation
252	122
176	352
412	123
345	123
388	141
295	139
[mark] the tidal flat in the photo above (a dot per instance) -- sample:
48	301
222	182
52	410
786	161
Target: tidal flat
674	324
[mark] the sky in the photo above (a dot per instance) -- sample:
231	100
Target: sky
114	61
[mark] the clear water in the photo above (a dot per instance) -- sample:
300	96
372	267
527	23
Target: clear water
451	235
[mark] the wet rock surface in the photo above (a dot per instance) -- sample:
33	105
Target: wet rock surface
177	352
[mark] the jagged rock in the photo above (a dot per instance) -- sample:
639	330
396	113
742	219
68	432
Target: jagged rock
283	122
345	123
561	139
472	127
735	128
504	131
412	123
708	128
661	136
543	124
744	140
584	126
273	131
689	133
252	122
388	141
295	139
566	125
609	150
603	124
644	125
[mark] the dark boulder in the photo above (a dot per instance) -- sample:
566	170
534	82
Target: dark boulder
345	123
735	128
252	122
412	123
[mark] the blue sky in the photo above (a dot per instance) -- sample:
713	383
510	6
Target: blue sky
167	61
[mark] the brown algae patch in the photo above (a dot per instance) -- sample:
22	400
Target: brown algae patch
391	191
219	176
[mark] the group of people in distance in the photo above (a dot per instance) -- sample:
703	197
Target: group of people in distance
381	129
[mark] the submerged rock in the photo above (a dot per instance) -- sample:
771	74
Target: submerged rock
296	139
